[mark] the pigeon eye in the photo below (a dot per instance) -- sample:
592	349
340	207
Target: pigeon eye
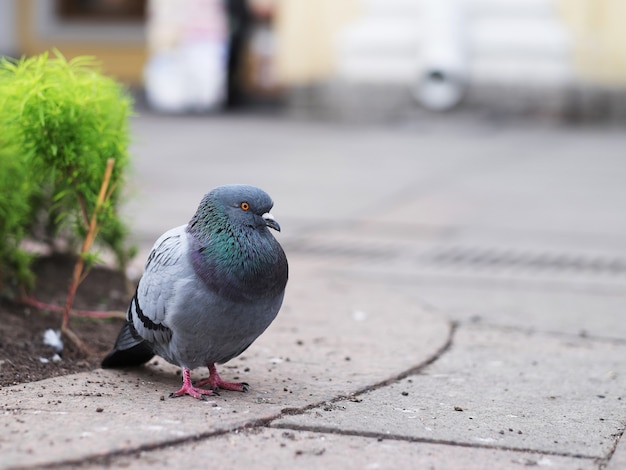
244	206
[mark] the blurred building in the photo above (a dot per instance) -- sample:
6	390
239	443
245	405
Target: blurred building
378	56
111	30
553	57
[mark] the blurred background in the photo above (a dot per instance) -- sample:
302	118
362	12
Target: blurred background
344	58
472	147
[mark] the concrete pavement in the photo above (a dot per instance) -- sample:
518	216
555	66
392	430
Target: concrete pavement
456	301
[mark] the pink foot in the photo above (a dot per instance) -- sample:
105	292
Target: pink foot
189	389
215	382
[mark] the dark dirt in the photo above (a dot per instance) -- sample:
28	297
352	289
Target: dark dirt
22	327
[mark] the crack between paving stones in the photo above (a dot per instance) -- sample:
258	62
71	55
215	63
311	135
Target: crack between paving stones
256	424
107	459
266	422
422	440
382	436
468	280
621	436
548	333
402	375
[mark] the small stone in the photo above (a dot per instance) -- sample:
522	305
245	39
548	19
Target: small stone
99	410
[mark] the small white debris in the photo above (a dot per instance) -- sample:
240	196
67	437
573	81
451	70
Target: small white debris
55	358
545	462
277	360
359	315
53	339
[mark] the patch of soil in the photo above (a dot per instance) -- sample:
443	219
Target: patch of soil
23	355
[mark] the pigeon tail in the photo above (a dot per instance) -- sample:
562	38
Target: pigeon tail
129	351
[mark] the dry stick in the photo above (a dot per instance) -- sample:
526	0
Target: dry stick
33	302
80	262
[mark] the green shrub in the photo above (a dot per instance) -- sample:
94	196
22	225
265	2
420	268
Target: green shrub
60	122
16	194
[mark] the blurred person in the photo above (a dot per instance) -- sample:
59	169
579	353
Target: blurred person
240	25
245	19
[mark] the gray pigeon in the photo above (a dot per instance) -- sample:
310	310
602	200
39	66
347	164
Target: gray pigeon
209	289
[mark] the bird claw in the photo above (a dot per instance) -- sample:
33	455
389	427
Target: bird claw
199	393
216	383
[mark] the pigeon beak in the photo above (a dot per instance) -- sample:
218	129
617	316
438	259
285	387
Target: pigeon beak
270	221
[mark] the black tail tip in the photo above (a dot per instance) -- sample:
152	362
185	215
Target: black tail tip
133	357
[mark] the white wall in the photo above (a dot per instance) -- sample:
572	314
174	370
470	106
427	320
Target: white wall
498	42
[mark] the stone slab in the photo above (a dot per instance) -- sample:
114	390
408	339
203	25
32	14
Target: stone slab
559	181
497	388
275	448
563	312
331	339
618	459
568	296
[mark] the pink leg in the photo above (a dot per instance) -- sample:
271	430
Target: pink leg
189	389
215	382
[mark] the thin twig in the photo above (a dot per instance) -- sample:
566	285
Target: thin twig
89	238
33	302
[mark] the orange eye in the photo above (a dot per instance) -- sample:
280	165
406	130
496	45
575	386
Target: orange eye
244	206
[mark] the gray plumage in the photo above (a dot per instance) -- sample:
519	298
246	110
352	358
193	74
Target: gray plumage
209	289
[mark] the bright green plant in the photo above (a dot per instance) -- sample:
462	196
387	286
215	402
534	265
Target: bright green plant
16	194
67	126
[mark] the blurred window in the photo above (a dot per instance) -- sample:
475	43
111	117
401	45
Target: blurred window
101	10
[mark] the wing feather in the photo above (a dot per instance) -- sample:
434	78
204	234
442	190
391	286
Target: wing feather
149	308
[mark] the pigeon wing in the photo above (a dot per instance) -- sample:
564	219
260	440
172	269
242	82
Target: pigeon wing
149	307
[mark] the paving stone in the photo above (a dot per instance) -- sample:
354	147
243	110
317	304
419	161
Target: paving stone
331	339
574	296
618	460
542	182
277	449
497	388
563	312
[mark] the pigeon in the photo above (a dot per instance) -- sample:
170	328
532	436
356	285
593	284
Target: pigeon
209	289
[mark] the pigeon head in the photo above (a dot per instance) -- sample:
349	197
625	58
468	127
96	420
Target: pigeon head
245	205
236	205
